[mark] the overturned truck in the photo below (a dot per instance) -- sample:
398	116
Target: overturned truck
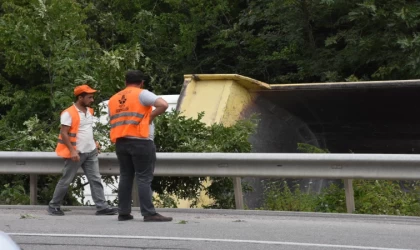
341	117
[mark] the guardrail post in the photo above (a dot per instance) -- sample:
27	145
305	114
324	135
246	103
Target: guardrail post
33	188
348	187
135	194
237	188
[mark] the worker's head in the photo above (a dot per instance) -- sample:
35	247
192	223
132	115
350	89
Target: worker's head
84	95
135	77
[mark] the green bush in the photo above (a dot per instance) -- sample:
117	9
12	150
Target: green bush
278	196
174	133
37	135
165	200
15	195
371	196
386	197
332	199
177	133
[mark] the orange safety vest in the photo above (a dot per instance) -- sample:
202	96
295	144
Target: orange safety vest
61	148
128	117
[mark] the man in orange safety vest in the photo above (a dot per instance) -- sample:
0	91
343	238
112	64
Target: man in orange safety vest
132	130
79	149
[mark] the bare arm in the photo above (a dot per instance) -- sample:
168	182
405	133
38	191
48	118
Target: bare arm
64	131
160	107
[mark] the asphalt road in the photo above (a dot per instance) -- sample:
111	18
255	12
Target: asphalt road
33	229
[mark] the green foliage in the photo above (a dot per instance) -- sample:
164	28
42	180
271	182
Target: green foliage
387	197
35	136
222	192
14	195
374	197
308	148
176	133
48	47
165	200
370	196
332	199
45	51
278	196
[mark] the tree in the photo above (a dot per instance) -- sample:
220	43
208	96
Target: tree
47	47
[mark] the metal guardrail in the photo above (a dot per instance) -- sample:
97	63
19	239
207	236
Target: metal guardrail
335	166
331	166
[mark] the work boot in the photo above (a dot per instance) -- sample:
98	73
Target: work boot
55	211
107	211
156	218
123	217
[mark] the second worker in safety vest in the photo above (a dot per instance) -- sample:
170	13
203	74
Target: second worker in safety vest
131	119
77	147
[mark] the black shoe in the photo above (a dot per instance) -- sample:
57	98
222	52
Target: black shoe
107	211
55	211
156	218
123	217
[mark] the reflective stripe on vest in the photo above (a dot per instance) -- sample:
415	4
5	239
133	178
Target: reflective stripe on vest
124	123
125	114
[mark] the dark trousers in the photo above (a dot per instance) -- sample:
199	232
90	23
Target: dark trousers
137	158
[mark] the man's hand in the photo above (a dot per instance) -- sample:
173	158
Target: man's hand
74	155
160	108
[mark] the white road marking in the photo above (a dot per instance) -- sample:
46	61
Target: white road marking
206	239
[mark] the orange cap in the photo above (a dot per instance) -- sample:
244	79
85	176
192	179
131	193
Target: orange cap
83	89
